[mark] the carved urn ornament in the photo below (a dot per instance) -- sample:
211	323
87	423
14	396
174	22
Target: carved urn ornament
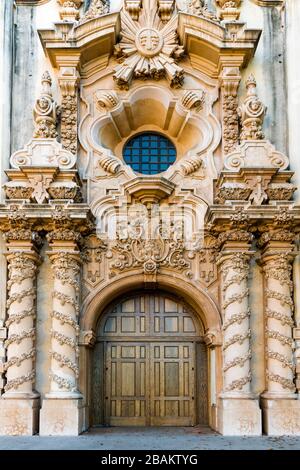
44	111
148	48
252	113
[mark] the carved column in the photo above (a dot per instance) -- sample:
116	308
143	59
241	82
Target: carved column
280	405
68	82
238	409
19	403
230	80
63	397
65	329
21	309
279	322
236	326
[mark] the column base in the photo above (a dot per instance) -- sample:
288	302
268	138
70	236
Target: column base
19	416
281	417
239	417
61	417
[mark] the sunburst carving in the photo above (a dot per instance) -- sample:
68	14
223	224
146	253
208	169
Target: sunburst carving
148	48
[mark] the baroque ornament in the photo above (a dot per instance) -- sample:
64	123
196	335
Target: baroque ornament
237	332
135	251
199	8
44	111
96	8
277	269
252	113
148	48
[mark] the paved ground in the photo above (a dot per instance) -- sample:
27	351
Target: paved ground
197	438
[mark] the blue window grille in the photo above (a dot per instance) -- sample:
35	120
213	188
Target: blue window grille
149	153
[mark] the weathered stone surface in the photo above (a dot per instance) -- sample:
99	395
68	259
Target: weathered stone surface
19	417
61	417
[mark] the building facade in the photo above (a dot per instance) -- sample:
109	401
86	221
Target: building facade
150	215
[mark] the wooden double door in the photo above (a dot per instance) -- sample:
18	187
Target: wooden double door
147	364
150	384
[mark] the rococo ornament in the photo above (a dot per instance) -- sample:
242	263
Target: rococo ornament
148	48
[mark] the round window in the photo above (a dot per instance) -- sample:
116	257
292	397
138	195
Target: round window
149	153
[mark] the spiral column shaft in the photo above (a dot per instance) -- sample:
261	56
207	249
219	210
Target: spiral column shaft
21	308
236	327
280	368
65	329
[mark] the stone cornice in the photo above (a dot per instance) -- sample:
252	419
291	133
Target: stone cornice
87	41
41	216
212	46
221	215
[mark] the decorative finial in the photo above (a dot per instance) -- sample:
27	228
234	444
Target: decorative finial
44	111
252	113
69	10
229	9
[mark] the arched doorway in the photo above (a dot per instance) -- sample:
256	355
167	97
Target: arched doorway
149	363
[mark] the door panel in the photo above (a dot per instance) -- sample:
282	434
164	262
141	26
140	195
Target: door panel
172	400
125	384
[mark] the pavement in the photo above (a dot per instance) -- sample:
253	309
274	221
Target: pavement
163	438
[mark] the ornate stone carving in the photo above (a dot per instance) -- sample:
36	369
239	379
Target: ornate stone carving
87	338
109	162
237	334
229	9
252	113
199	7
279	322
230	80
65	330
96	8
232	192
18	192
19	367
165	9
133	7
191	164
43	152
280	191
40	184
208	267
68	80
44	111
135	251
193	99
92	256
69	10
107	100
148	48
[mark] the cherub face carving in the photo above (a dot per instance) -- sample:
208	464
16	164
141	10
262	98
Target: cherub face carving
149	42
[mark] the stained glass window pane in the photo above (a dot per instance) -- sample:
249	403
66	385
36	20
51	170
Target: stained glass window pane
149	153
